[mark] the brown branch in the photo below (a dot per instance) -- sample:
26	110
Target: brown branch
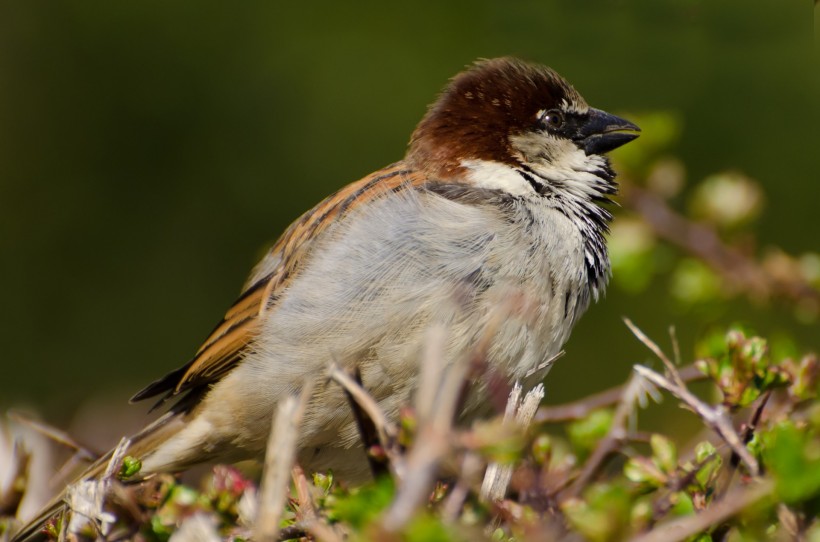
378	435
305	509
57	435
737	269
432	443
444	401
655	349
612	441
582	408
683	528
386	429
471	467
714	417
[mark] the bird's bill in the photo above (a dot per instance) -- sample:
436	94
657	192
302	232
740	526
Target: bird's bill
603	132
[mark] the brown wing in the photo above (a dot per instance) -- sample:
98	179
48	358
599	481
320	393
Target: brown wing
226	344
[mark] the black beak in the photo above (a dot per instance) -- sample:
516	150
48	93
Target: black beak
603	132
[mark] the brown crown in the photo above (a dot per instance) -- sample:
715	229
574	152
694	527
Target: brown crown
481	108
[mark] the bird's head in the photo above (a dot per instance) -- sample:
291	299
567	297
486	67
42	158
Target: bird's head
510	125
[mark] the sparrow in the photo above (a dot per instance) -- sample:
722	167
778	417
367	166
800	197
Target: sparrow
502	192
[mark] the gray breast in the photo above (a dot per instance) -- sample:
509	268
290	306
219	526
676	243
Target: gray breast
375	283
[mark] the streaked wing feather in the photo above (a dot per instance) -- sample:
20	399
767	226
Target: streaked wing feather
226	344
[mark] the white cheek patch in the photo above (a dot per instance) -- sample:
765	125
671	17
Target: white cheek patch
572	158
496	176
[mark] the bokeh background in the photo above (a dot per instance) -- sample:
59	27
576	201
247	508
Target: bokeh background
150	151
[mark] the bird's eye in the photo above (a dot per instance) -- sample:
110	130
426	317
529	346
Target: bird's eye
553	119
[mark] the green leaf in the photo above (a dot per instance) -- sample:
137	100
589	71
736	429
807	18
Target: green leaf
425	528
585	434
710	462
693	282
643	470
604	513
682	504
792	454
664	453
542	449
362	505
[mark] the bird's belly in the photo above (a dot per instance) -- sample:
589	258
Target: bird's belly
381	285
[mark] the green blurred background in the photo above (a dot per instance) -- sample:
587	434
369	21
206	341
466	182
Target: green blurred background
150	151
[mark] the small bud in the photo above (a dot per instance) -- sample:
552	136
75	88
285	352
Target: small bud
643	470
323	481
664	453
542	449
130	466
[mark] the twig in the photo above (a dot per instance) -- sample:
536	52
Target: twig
577	410
432	370
317	529
305	509
673	336
323	532
746	437
386	429
86	498
662	506
471	467
700	240
279	460
683	528
497	478
57	435
292	531
715	418
432	443
751	425
430	447
614	438
376	442
433	439
649	343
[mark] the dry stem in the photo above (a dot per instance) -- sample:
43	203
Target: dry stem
737	269
279	460
632	393
498	476
733	503
577	410
386	429
715	418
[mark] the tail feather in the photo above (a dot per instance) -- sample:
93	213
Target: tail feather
141	444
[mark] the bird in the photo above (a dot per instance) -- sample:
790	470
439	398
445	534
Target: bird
503	191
